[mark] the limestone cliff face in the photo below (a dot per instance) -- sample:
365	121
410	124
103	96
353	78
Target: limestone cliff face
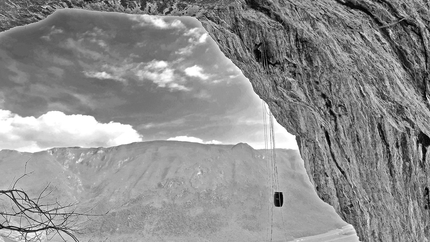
350	78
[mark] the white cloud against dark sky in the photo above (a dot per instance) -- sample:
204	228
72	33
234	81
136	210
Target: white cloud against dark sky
56	129
194	139
196	71
147	21
129	78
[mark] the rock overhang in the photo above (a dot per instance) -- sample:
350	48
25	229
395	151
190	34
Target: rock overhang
350	78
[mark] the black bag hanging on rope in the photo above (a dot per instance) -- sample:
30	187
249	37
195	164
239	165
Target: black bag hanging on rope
278	199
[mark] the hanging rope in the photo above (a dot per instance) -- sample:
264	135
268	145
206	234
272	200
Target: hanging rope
268	159
269	144
264	153
273	150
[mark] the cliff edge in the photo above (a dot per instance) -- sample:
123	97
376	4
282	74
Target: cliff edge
350	78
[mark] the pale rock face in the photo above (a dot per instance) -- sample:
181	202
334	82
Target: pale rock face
177	191
350	78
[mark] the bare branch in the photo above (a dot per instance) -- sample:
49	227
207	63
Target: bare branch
32	219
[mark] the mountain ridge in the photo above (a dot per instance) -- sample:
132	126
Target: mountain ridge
176	190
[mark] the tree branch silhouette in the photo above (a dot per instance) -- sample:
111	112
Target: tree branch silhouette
28	217
32	219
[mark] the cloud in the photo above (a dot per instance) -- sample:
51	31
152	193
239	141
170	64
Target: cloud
156	21
56	129
103	75
2	100
202	94
20	76
121	71
99	59
100	42
194	140
196	36
56	71
187	50
98	36
97	32
54	31
202	39
53	58
163	125
161	74
78	46
196	71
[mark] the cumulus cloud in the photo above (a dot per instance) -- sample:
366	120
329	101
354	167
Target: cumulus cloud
121	71
187	50
56	129
98	59
202	39
194	140
161	74
196	71
157	21
196	36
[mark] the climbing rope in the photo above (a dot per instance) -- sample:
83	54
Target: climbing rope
273	150
269	151
269	165
269	144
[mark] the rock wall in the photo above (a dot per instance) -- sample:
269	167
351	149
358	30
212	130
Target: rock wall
350	78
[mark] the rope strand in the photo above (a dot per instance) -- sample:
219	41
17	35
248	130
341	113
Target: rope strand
263	107
274	176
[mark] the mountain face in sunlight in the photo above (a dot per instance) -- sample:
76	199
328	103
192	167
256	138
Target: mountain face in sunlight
176	191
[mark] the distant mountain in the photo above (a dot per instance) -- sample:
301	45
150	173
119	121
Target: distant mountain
176	191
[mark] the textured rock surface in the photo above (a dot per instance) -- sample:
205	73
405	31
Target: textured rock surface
350	78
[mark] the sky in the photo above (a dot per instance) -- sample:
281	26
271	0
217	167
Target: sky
90	79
